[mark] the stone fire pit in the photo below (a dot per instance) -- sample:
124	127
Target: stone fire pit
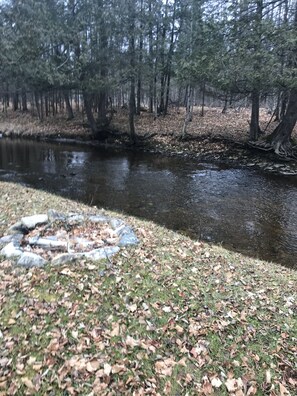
60	238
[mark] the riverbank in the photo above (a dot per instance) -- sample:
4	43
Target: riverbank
216	137
171	316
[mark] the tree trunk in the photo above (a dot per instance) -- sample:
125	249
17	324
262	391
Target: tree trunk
37	104
41	107
167	92
283	106
280	139
46	104
140	60
203	100
254	123
151	62
132	103
189	116
70	114
88	109
15	101
24	100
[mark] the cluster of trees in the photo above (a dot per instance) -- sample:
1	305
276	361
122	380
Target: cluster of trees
97	54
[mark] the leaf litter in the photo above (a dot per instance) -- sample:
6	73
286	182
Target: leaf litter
171	316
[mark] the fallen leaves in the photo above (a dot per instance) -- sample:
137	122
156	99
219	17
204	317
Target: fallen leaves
165	367
172	316
234	385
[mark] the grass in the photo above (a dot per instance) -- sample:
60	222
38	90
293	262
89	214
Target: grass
169	317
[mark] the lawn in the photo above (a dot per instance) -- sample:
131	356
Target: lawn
171	316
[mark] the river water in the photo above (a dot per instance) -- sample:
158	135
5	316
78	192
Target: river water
246	210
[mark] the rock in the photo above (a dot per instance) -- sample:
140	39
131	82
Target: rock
15	239
26	258
11	250
289	173
127	236
128	239
48	243
17	228
74	218
102	253
31	222
53	215
65	258
98	219
116	223
30	260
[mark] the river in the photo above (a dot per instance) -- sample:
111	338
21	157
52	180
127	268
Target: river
247	211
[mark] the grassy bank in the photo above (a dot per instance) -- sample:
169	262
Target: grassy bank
169	317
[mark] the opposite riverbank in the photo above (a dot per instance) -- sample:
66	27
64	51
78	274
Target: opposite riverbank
170	316
216	137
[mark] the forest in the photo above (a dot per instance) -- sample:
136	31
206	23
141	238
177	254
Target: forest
97	56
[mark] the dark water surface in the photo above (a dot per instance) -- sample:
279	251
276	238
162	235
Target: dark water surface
248	211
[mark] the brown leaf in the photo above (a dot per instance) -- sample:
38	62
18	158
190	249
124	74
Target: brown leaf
115	330
251	391
118	368
107	369
29	384
207	387
132	308
131	342
93	366
283	390
167	388
165	367
67	272
216	382
234	385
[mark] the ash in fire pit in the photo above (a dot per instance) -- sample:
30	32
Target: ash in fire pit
58	238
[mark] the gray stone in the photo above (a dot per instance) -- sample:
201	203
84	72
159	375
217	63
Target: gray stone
48	243
66	258
11	251
116	223
289	173
98	219
120	230
30	260
74	218
15	239
102	253
127	236
17	228
32	221
53	215
111	250
128	239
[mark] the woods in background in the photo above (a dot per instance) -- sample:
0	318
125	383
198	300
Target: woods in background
93	56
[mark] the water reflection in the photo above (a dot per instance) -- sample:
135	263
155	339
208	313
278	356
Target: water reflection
247	211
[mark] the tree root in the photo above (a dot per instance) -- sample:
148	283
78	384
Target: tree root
285	151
